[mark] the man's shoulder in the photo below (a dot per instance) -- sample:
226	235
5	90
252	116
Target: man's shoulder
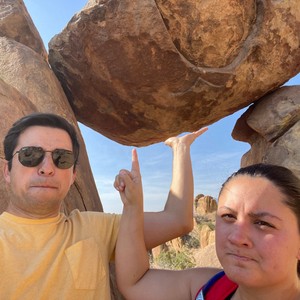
92	215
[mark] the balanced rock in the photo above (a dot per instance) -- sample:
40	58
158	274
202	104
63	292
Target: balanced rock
141	71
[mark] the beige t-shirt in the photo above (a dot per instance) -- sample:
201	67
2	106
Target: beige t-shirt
57	258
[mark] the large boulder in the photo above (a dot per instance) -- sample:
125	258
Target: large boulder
272	127
141	71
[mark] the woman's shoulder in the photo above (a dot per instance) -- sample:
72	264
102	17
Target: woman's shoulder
199	277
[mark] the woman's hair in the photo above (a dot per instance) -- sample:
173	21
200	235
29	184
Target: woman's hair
38	119
284	179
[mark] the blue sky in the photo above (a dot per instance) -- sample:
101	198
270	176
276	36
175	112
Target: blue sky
215	155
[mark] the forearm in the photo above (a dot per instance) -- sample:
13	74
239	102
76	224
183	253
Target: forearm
132	260
179	204
177	217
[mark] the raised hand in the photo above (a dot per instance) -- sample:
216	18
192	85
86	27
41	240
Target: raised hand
129	183
186	139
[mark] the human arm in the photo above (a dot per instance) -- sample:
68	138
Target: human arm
134	278
177	217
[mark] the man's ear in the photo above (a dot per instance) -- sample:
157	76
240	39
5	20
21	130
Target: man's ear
6	172
298	255
73	176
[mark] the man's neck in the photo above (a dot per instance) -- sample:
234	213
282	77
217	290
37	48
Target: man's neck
31	214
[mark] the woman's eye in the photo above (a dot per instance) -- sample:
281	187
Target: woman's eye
228	217
264	224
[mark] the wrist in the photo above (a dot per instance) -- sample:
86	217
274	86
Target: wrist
133	208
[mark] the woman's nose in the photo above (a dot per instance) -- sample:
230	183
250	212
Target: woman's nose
240	235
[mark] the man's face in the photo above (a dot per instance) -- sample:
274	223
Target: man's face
38	192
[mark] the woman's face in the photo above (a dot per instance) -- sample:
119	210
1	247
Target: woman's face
257	236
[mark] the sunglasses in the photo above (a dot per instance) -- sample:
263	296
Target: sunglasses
32	156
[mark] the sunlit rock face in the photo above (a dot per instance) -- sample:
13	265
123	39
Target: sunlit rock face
27	85
141	71
16	24
272	127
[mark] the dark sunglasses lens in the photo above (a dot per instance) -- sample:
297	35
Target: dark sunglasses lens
31	156
63	159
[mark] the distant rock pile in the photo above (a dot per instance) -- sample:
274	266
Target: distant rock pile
195	249
205	205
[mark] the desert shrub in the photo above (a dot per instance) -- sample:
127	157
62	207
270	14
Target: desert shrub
191	241
210	224
174	260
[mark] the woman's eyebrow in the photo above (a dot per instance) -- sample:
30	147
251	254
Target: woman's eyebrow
263	214
252	215
226	207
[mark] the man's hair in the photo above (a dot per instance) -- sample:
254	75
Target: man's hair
38	119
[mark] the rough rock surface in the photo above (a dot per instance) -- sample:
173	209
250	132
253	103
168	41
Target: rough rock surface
16	23
24	106
205	204
140	71
207	257
27	84
272	127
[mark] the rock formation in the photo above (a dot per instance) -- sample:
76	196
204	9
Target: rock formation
153	69
175	73
27	85
272	127
141	71
205	204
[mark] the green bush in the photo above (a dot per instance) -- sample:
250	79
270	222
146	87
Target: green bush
191	241
174	260
210	224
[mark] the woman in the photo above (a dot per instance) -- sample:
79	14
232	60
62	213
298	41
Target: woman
257	243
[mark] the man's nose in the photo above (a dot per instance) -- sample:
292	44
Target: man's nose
46	167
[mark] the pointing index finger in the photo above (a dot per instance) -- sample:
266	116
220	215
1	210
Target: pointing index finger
135	167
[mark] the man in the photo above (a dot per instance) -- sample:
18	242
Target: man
48	255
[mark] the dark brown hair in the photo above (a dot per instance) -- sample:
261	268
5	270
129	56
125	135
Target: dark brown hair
283	178
38	119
